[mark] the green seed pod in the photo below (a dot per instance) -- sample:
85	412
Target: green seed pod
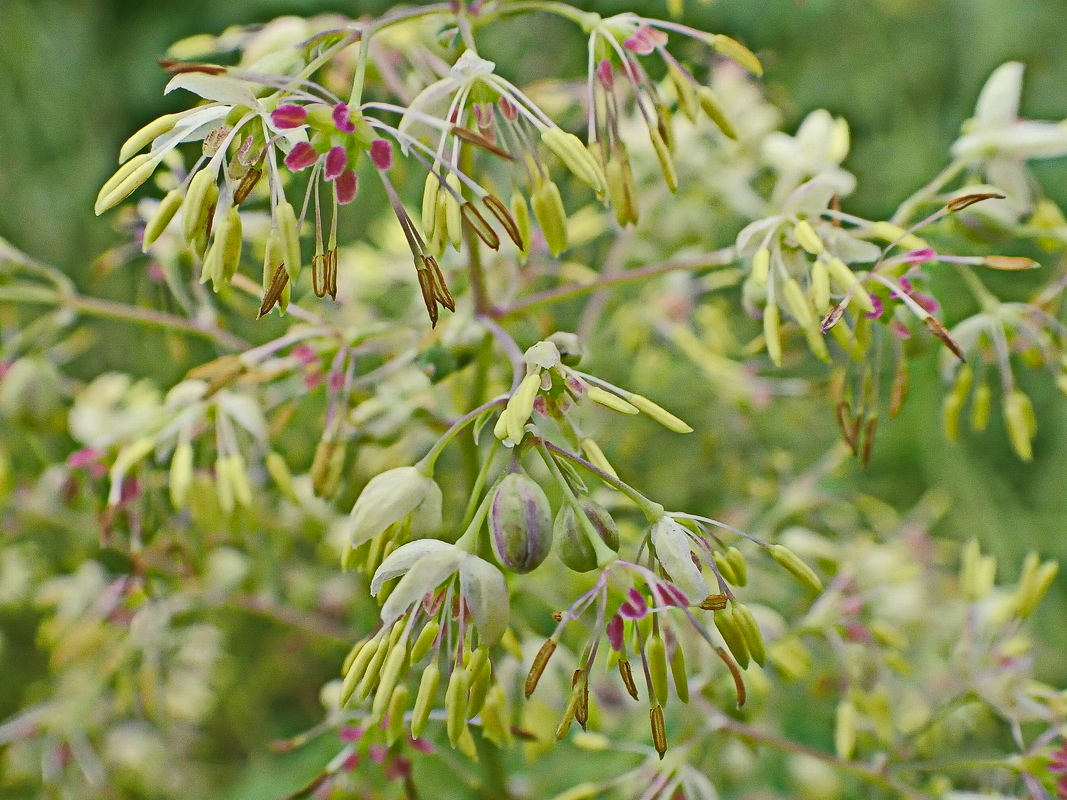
678	673
731	633
551	216
792	562
420	714
572	542
425	641
162	217
656	654
456	698
750	630
398	704
520	523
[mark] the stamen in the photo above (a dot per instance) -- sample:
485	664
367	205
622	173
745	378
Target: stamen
289	116
273	294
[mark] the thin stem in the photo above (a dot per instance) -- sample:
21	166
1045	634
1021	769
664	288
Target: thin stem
428	461
927	192
721	722
510	347
109	309
716	258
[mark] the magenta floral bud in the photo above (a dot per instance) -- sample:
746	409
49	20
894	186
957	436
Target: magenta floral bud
572	543
635	606
926	302
921	256
381	154
605	73
302	156
342	118
346	185
508	109
336	161
879	308
520	523
615	631
289	116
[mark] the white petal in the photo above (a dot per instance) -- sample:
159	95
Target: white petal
423	101
220	88
426	518
751	236
426	575
243	410
998	104
485	591
386	499
671	541
847	247
810	199
401	560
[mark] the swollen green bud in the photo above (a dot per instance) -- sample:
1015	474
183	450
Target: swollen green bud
358	668
398	704
290	233
429	204
572	541
736	560
666	161
181	474
200	202
750	630
761	266
793	563
162	217
392	671
570	150
656	655
146	135
125	181
449	210
678	673
737	52
609	400
520	523
844	279
520	212
551	216
714	111
425	641
1021	422
480	675
728	627
420	714
456	698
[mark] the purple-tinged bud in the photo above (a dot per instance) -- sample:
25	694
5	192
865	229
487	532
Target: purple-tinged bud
346	186
520	523
289	116
879	308
508	109
336	161
616	630
921	256
302	156
572	543
635	606
381	154
606	73
342	118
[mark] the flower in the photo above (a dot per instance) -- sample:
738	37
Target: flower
400	495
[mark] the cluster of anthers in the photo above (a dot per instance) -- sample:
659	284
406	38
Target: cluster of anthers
260	128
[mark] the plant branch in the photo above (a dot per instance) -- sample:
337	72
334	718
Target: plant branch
715	258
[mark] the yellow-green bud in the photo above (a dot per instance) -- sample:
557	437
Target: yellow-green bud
761	266
200	202
456	696
162	217
572	540
146	135
844	278
772	335
181	474
845	729
520	406
279	472
656	654
425	641
714	111
795	566
981	405
551	216
520	212
574	155
737	52
420	714
398	704
660	414
392	671
666	161
750	630
290	233
727	625
1021	422
609	400
520	523
820	287
807	238
125	181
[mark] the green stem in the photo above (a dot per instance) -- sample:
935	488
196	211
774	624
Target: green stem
426	464
585	19
716	258
927	193
651	509
108	309
479	484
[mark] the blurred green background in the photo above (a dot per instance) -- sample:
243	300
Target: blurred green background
78	76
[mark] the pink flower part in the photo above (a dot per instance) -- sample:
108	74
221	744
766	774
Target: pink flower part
576	386
605	73
508	109
397	769
920	256
879	308
302	156
312	381
156	273
350	733
900	329
541	405
289	116
483	113
635	607
926	302
336	161
905	284
345	186
671	595
422	745
654	35
131	490
337	381
378	752
381	154
351	762
615	632
86	457
342	118
305	355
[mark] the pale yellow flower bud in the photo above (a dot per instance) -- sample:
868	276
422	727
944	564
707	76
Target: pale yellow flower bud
609	400
181	474
162	217
420	714
737	52
1021	422
714	111
125	181
772	333
660	414
551	216
761	266
570	150
807	238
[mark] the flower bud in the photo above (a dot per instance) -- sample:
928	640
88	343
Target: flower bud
520	212
449	211
656	655
596	457
429	204
146	135
1021	422
398	704
746	623
162	217
609	400
792	562
200	201
728	627
807	238
772	334
425	641
181	474
660	414
714	111
761	266
572	542
420	714
574	155
666	161
981	405
678	673
845	729
737	52
125	181
551	216
392	496
844	279
520	523
456	696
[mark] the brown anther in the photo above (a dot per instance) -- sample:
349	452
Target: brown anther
659	729
868	440
278	282
175	67
581	711
440	287
331	273
467	135
843	415
835	205
735	671
941	332
557	616
898	393
247	184
485	232
627	676
714	602
832	318
968	200
503	215
319	281
538	667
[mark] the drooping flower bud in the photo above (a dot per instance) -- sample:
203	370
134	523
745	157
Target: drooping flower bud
572	542
570	150
520	523
200	202
162	217
392	496
551	216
